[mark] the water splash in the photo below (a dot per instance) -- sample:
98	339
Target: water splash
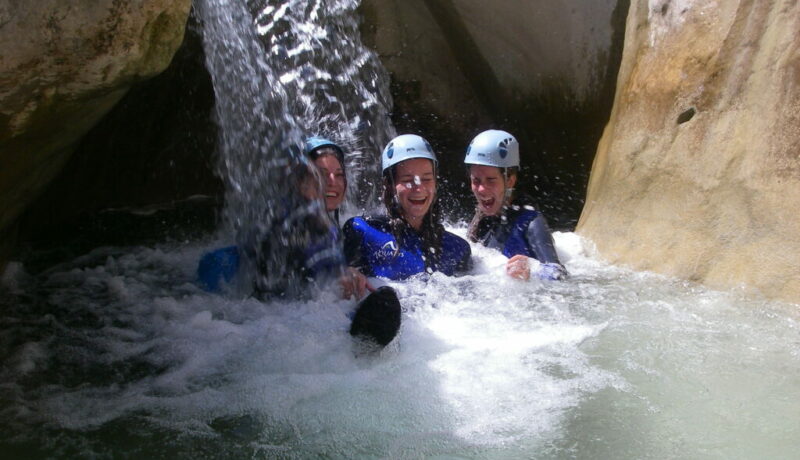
336	86
119	353
259	135
283	71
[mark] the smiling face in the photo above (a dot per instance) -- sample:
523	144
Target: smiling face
489	187
334	180
415	189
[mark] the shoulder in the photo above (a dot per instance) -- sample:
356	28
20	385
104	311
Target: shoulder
522	212
362	223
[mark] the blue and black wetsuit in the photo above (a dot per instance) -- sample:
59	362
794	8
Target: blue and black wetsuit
302	249
308	247
520	229
370	246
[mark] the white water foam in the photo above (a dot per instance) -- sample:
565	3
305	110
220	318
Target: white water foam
602	365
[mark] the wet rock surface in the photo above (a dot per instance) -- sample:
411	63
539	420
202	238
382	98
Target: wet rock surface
64	66
697	174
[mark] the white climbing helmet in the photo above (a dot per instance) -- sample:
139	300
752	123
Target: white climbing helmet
406	147
493	148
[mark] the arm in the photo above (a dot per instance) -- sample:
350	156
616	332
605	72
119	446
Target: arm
541	242
352	246
465	264
354	283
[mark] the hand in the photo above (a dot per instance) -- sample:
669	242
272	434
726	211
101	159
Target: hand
518	267
551	271
355	283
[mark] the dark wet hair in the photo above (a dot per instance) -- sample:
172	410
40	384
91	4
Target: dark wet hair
431	230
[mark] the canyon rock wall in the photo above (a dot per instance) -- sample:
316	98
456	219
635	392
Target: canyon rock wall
63	65
697	174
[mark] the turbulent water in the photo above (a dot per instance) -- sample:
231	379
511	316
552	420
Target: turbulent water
119	353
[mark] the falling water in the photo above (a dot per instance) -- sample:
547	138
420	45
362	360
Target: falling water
285	72
336	86
298	69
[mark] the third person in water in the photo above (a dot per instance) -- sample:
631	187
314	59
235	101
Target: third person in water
503	219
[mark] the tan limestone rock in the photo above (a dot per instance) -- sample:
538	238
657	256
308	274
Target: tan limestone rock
63	65
698	171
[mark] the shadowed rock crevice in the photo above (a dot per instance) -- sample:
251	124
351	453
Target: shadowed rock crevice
156	146
456	71
63	66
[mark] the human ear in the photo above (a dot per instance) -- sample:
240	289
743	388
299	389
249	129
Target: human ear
512	181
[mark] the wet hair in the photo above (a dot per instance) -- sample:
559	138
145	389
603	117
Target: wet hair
431	230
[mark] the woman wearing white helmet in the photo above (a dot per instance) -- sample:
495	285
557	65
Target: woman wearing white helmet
410	239
502	220
315	244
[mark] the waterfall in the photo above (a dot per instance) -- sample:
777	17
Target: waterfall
283	71
335	85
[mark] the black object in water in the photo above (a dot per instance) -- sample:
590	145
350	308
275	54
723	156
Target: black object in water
377	317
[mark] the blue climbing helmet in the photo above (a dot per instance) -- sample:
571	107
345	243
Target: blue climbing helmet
406	147
493	148
315	144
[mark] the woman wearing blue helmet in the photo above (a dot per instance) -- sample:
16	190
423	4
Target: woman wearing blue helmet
322	180
314	248
328	157
502	220
410	238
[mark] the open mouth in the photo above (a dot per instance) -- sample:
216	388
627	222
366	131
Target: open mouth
487	203
331	194
418	201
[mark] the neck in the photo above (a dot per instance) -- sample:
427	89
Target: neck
415	223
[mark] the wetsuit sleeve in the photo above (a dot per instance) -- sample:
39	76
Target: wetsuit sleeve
465	265
352	246
540	240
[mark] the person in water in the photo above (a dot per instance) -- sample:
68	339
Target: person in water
328	157
410	238
311	247
504	220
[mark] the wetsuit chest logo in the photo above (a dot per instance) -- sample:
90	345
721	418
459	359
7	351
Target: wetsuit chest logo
389	246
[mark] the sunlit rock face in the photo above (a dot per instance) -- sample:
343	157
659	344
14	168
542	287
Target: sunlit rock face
63	65
698	171
542	70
